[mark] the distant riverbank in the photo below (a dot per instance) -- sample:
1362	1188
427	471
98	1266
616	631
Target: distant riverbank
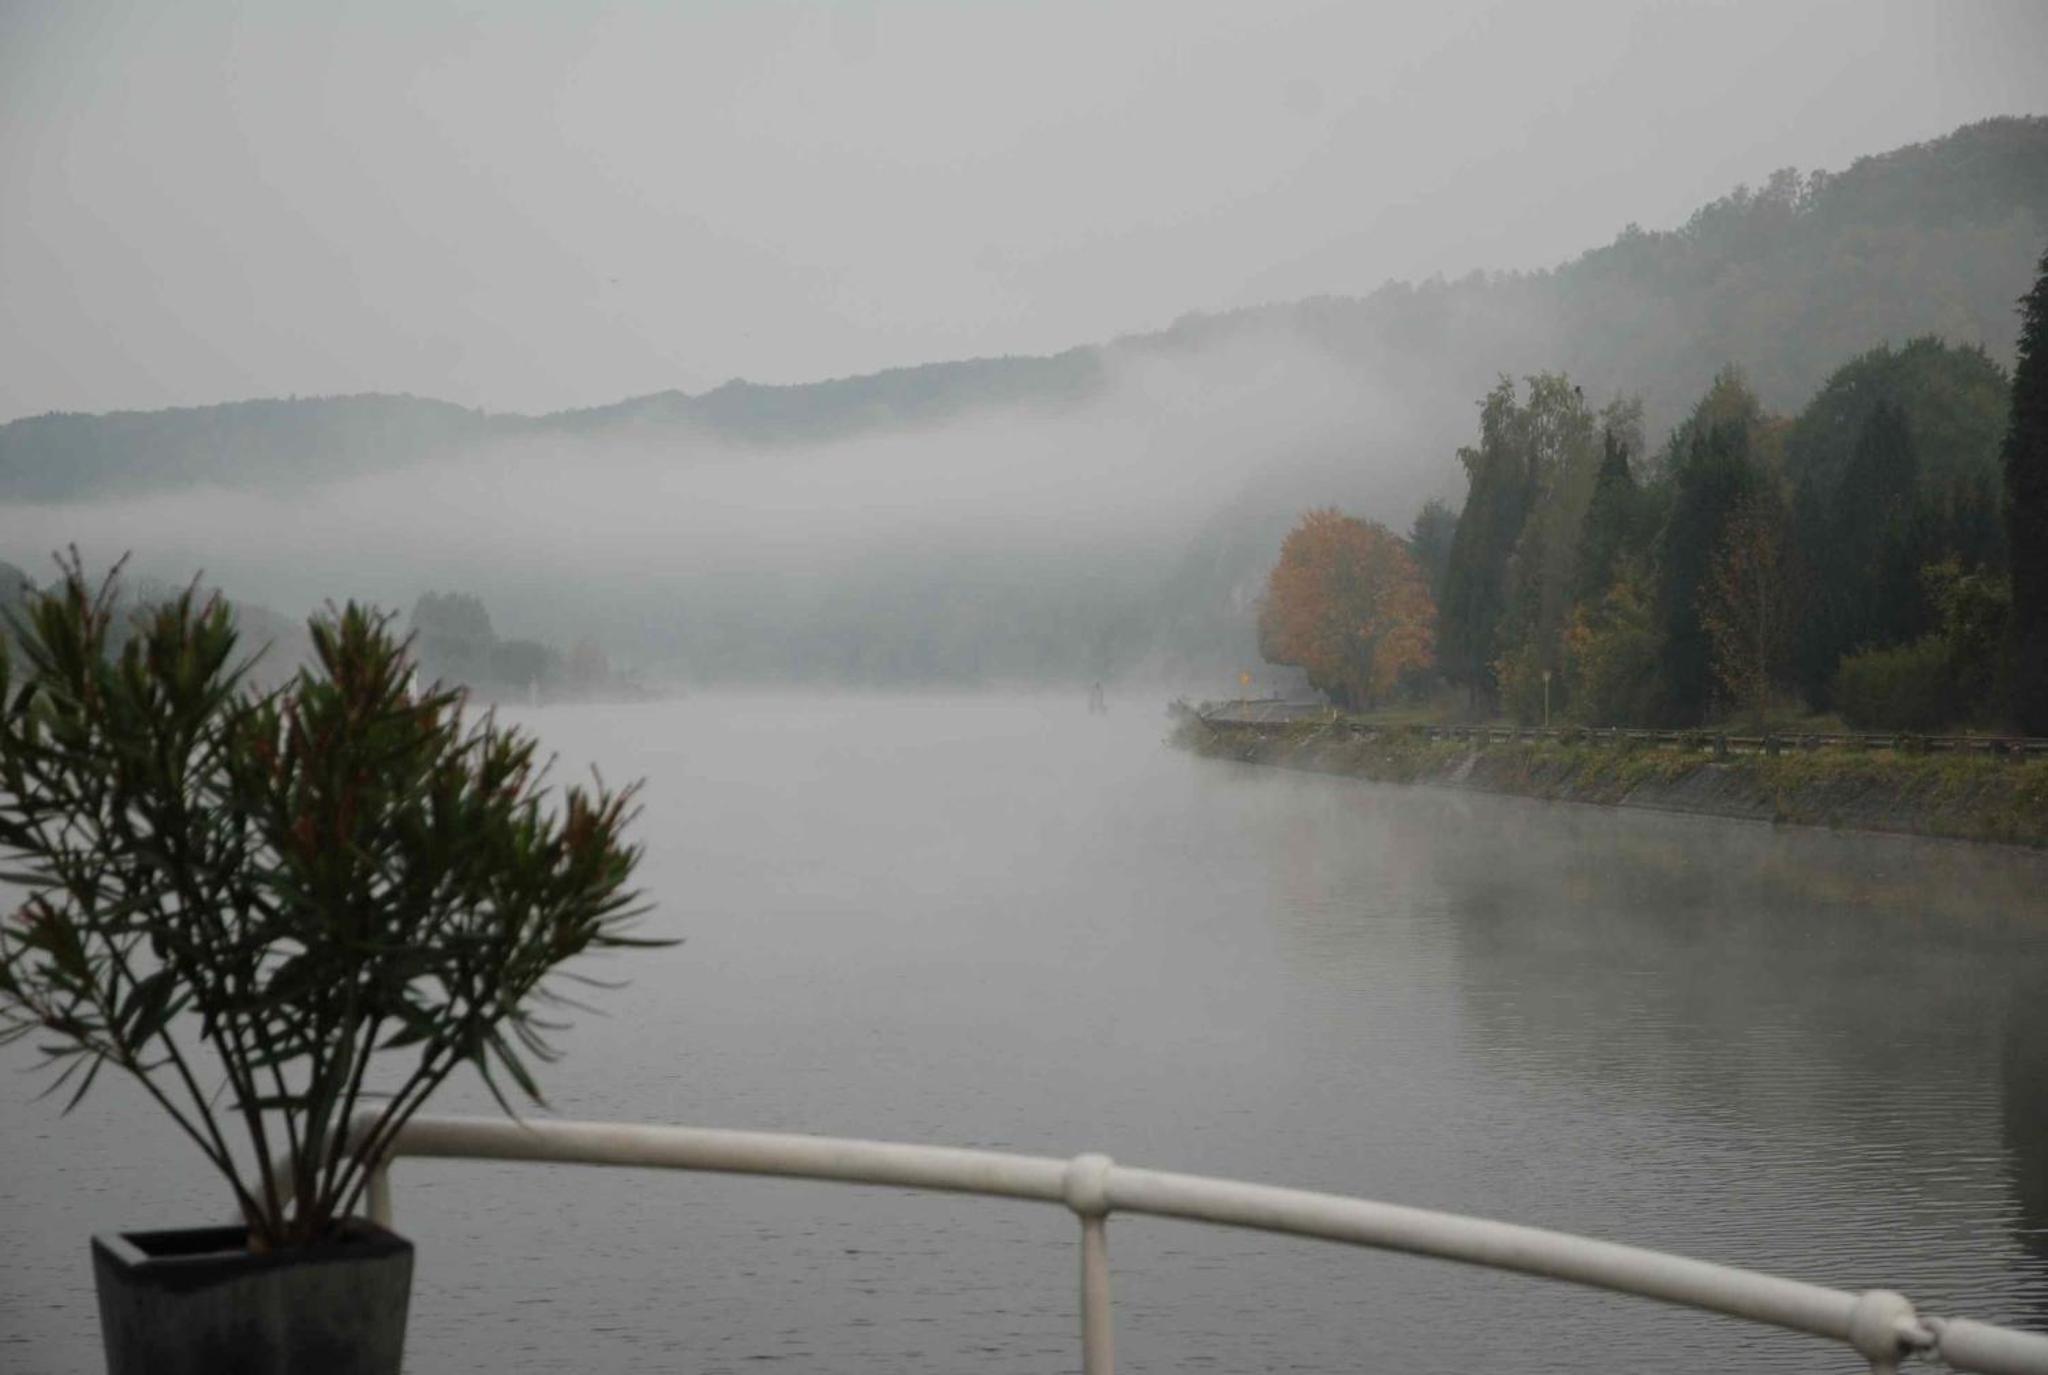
1974	797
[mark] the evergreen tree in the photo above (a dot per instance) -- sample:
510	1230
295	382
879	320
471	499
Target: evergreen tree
1559	437
1610	520
1954	398
1881	539
1819	648
1970	515
2026	510
451	633
1895	465
1713	474
1475	580
1429	541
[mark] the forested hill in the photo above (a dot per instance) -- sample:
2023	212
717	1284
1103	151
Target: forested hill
290	443
752	413
1785	281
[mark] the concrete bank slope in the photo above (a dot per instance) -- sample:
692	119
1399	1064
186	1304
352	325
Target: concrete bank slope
1970	797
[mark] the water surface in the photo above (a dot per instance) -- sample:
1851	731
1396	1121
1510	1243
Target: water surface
1005	923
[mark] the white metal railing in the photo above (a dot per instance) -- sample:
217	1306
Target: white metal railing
1880	1325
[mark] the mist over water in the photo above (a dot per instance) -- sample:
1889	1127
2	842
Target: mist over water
815	409
867	557
1001	922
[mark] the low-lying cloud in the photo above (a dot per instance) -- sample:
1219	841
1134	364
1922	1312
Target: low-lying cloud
665	544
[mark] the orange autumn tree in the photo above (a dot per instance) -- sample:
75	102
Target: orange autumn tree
1347	604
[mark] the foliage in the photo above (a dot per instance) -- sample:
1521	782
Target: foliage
1976	618
15	587
1713	475
1894	462
1790	278
1525	691
1972	796
1749	606
457	645
1475	578
2026	510
1347	604
586	668
1749	594
453	638
1430	539
526	663
1952	399
1613	653
338	877
1566	444
1956	672
1613	525
1906	687
1514	564
1871	545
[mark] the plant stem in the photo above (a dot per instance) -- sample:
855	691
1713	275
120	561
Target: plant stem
420	1085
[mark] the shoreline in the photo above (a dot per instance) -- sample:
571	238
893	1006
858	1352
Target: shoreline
1977	799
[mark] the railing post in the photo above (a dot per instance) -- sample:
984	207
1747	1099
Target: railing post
380	1192
1884	1329
1087	1190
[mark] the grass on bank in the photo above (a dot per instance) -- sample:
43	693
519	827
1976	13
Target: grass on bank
1961	796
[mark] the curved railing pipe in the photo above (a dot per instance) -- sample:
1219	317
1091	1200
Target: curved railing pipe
1880	1325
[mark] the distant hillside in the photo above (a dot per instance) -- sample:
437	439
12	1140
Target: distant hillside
1787	281
1105	511
751	413
292	443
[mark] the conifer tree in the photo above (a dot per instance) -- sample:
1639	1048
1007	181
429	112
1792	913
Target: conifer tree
1475	579
1429	541
1880	538
1713	472
1610	520
2026	510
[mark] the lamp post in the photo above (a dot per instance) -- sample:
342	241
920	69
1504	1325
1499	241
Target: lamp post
1546	699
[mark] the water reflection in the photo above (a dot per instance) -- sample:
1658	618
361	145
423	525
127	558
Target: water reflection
1799	1047
2025	1120
1009	923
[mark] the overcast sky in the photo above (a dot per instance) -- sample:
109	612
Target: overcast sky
531	206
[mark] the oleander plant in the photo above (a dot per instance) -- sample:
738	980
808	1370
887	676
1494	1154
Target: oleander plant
289	914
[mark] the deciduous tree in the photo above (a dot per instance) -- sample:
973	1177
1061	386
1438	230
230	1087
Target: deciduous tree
1613	651
1749	606
1347	604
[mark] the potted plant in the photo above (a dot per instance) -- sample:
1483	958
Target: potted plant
341	890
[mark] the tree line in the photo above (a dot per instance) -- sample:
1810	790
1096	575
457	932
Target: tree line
453	642
1881	555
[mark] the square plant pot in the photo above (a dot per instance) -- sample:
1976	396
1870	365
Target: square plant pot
199	1302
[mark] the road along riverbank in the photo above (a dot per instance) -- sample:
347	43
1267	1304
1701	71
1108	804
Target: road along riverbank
1985	797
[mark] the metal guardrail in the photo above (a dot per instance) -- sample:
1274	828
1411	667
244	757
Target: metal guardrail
1880	1325
1276	718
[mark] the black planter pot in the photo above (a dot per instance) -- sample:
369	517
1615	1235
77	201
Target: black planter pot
197	1302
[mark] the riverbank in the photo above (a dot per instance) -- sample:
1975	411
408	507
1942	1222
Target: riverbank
1973	797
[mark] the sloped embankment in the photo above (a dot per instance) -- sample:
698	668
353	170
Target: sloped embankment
1961	797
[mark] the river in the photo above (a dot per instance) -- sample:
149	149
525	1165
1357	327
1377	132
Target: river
1003	922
